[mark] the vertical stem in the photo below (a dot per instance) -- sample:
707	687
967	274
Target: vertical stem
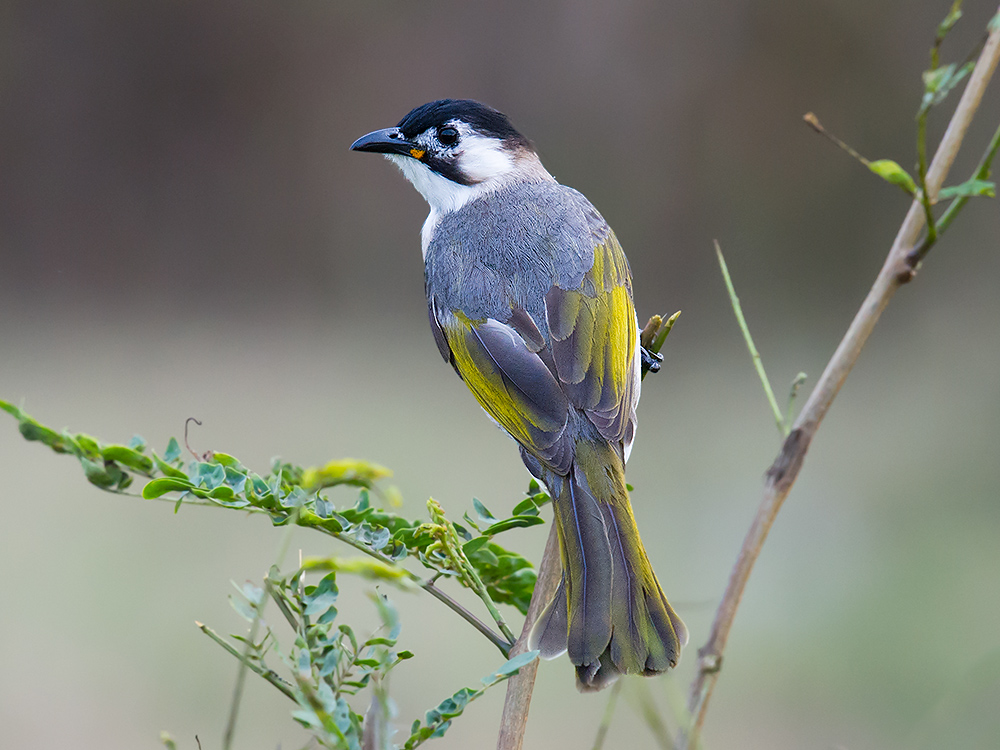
754	354
515	708
609	712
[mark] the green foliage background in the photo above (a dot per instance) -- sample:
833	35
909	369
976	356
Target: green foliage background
185	234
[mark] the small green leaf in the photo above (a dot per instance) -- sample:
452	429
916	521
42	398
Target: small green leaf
890	171
482	511
362	566
950	20
244	609
127	457
344	471
526	507
105	476
969	189
173	451
480	541
168	469
225	459
517	522
511	666
163	485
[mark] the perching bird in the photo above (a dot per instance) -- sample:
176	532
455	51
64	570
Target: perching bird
530	300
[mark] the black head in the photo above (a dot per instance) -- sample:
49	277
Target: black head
483	119
461	140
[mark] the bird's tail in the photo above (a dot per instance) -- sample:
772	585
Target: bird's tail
609	611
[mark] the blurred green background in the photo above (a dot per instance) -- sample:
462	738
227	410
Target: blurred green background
183	232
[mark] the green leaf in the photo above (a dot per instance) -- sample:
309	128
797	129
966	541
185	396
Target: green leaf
509	578
168	469
517	522
511	667
127	457
526	507
365	567
950	20
969	189
344	471
480	541
390	616
163	485
890	171
243	609
939	82
225	459
482	511
173	451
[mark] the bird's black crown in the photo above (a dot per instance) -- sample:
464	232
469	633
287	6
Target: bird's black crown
484	119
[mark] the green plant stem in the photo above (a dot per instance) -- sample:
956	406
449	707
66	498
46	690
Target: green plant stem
925	197
754	354
479	587
792	393
496	640
241	674
651	715
982	172
267	674
609	712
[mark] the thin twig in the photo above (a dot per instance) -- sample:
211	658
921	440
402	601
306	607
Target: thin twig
430	588
519	687
896	271
267	674
258	610
754	354
651	715
609	712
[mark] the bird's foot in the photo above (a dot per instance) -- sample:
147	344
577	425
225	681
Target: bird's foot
651	361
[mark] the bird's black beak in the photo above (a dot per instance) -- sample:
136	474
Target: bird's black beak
388	141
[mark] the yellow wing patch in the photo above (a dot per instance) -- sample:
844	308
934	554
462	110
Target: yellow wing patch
594	332
508	380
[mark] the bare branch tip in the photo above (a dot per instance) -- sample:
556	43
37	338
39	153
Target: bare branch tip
812	121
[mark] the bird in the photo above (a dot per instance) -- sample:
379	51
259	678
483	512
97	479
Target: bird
529	297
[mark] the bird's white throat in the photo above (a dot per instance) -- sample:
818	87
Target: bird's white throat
486	163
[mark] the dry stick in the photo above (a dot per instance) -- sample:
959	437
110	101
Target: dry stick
896	271
519	687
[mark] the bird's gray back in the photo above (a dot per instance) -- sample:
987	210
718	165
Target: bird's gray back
509	248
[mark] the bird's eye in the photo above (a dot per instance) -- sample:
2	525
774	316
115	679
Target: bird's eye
448	135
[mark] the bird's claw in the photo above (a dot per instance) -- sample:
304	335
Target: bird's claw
651	361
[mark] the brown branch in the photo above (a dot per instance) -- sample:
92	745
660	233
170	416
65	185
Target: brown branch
896	271
519	687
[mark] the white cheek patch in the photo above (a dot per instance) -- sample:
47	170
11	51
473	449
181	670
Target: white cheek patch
483	159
